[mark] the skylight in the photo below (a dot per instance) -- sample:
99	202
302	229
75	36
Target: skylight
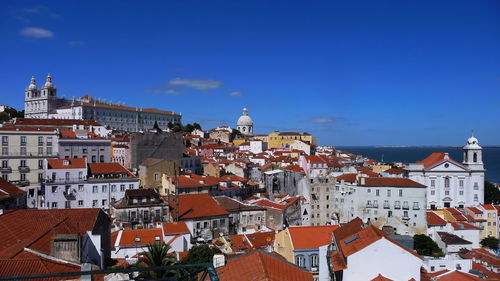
355	237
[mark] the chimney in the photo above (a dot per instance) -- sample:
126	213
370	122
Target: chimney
446	156
362	180
219	260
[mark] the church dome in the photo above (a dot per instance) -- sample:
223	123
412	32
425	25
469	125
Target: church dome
472	142
48	82
32	85
244	119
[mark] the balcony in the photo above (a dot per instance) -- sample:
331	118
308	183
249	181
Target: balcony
397	207
375	205
6	170
416	208
405	207
24	169
64	181
369	206
21	182
406	218
387	206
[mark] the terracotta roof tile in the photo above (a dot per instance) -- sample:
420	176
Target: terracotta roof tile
434	219
452	239
259	265
301	236
198	206
381	278
134	237
70	163
109	168
7	189
175	228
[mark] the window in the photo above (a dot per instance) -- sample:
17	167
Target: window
23	140
222	222
433	192
5	150
299	261
214	224
461	192
80	187
5	163
476	186
94	203
447	182
84	150
80	203
388	193
113	188
314	260
461	183
5	140
23	177
67	204
49	150
40	151
104	188
101	158
400	193
405	214
369	190
415	206
40	140
433	183
54	205
157	177
377	192
49	141
94	158
40	164
23	163
66	176
122	187
95	188
104	202
54	189
476	197
23	150
131	186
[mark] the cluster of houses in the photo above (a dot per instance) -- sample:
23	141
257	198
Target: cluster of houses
77	195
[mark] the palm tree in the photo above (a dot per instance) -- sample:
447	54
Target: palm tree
157	255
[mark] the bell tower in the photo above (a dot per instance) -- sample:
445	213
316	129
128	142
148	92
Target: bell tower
473	154
39	103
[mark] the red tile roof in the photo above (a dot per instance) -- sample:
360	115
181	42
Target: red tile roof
381	278
475	210
394	171
314	159
259	265
295	168
394	182
457	276
463	226
434	219
144	236
33	264
436	158
452	239
347	177
488	207
193	206
70	163
170	228
15	236
301	236
8	190
68	135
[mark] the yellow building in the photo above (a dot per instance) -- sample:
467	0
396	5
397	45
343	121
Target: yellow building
285	139
380	168
490	215
283	245
263	138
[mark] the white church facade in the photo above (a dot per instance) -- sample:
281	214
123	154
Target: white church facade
44	103
449	182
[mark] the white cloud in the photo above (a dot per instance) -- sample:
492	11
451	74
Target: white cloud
165	91
235	94
196	83
323	119
36	32
76	43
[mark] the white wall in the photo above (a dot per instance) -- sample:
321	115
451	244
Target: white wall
382	257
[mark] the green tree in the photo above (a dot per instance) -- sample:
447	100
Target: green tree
489	242
199	254
157	255
196	126
188	128
491	193
425	246
176	127
156	127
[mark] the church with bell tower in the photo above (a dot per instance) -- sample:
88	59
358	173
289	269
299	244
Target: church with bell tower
450	183
40	102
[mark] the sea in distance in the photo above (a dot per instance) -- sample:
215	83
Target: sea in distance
410	154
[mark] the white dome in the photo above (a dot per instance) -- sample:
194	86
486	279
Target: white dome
244	119
472	142
48	82
32	85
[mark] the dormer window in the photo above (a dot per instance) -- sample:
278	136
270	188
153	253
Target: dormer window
137	239
65	162
157	238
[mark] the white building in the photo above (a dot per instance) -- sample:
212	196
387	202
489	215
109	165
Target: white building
72	183
254	146
23	152
450	183
245	124
44	103
394	203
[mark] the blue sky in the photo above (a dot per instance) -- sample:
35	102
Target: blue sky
350	72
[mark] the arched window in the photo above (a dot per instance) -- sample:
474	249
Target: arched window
244	129
474	157
314	260
299	261
446	182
